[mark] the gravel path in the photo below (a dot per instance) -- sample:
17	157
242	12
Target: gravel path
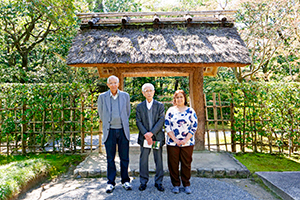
94	188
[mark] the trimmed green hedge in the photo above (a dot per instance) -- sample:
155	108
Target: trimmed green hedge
16	175
262	108
44	102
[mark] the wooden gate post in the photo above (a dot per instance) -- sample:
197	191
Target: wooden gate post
197	103
120	75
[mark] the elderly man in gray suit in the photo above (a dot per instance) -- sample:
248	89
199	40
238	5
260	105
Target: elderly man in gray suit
150	119
114	111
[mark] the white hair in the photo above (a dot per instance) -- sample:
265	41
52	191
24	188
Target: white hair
146	85
112	76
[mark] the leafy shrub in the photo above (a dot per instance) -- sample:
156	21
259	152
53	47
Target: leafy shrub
15	175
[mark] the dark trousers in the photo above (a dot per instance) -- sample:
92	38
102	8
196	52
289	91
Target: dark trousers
144	165
184	156
117	137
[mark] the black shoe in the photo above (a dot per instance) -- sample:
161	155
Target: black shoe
142	187
159	187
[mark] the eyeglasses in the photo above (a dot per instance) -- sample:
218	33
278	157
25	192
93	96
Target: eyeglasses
114	83
146	91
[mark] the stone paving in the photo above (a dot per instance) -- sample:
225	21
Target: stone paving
285	184
205	163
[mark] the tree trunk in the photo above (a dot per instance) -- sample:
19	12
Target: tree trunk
176	84
24	69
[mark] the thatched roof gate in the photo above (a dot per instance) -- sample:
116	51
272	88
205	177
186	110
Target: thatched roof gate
149	45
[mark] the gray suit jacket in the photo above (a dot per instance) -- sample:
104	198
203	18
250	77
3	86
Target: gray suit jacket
142	121
104	111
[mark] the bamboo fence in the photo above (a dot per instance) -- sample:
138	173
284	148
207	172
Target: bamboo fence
68	126
254	135
60	128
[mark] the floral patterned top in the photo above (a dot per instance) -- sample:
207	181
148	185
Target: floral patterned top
181	123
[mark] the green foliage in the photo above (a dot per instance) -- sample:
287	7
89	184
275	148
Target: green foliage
121	6
164	87
268	109
45	102
270	30
34	40
16	171
15	175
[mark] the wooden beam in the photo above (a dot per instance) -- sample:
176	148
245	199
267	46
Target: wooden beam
99	70
150	65
93	21
197	103
140	14
154	74
162	20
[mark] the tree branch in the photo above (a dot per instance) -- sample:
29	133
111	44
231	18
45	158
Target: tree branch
42	38
30	28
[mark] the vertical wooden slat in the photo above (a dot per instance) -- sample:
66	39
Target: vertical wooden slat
216	121
233	132
271	142
7	134
92	110
33	134
1	122
62	123
23	128
81	122
222	119
71	124
254	126
43	130
291	133
262	125
73	117
52	128
207	123
100	136
282	142
7	141
16	128
244	126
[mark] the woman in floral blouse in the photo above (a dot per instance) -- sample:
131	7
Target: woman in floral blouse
181	125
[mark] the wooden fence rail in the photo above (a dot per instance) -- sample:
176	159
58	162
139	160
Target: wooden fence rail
61	129
226	135
73	126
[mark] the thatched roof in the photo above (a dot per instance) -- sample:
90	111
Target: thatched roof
168	45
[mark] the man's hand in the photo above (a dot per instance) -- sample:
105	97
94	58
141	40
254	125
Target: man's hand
148	137
150	141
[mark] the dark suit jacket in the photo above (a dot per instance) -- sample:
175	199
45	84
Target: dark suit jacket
142	121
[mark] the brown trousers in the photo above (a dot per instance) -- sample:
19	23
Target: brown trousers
184	156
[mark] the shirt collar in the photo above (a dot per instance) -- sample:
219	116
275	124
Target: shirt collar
149	105
114	97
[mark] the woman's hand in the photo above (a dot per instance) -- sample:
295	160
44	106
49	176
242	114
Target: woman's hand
183	142
178	142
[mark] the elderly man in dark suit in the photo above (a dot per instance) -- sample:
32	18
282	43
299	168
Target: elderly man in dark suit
114	111
150	120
